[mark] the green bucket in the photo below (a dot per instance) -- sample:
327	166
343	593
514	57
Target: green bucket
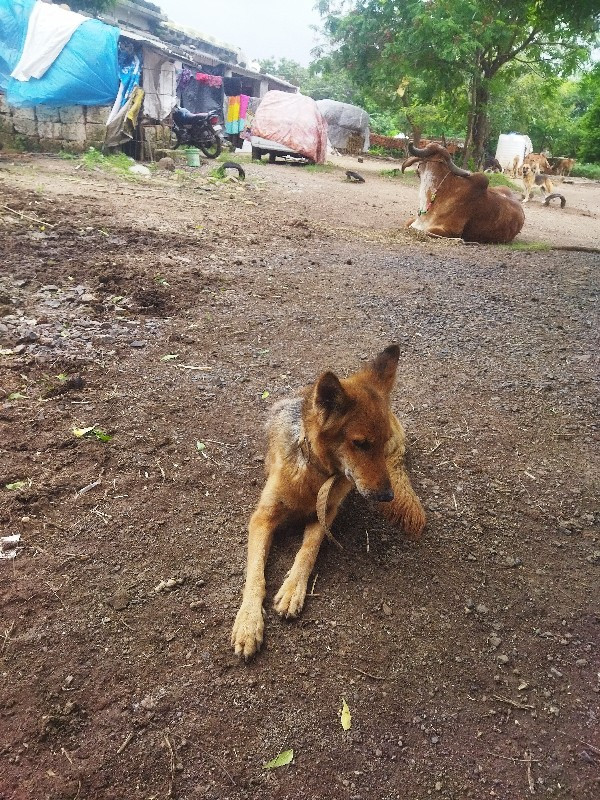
193	157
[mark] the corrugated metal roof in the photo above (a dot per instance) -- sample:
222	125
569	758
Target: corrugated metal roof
197	57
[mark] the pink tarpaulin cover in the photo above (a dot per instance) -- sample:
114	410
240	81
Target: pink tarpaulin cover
294	121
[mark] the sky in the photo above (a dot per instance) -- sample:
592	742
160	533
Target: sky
261	28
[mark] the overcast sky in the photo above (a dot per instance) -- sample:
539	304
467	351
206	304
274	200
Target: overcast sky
261	28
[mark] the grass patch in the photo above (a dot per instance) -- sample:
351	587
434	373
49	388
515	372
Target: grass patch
498	179
115	162
397	174
529	247
591	171
327	167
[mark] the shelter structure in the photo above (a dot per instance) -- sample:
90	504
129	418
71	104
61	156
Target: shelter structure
134	45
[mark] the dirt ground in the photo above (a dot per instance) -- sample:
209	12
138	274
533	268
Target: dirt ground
170	312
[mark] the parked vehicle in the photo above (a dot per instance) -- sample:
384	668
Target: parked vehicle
202	130
289	125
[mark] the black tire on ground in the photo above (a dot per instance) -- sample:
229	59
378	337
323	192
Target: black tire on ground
212	149
256	154
233	165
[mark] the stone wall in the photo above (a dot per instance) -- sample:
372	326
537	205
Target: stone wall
50	129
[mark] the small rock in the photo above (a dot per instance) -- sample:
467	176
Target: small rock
495	642
119	600
502	659
166	163
386	609
581	662
87	298
512	562
28	336
480	608
140	169
137	343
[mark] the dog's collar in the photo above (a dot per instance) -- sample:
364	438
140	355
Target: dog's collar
309	456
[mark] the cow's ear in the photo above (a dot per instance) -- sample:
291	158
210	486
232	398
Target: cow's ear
330	396
384	367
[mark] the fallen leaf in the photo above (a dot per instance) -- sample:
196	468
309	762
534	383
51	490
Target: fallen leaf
16	396
280	761
17	485
265	394
79	432
201	447
345	716
92	430
169	357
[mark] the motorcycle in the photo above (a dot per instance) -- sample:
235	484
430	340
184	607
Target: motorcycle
199	130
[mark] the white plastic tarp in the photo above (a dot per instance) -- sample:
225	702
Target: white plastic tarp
292	120
513	147
49	29
344	120
160	85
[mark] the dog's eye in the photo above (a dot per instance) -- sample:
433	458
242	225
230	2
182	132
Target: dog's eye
361	444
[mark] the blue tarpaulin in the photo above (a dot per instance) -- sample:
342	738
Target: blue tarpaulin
85	72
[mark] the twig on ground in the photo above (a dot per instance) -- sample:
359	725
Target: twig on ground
171	765
587	744
512	702
7	633
512	758
128	738
312	588
529	775
31	219
219	763
369	675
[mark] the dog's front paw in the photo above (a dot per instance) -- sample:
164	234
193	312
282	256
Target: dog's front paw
290	598
247	633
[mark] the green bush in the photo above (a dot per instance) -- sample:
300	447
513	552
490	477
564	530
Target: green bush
498	179
591	171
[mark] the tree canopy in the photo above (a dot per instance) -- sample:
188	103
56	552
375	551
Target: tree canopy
412	53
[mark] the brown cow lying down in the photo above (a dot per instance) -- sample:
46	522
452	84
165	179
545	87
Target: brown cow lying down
457	203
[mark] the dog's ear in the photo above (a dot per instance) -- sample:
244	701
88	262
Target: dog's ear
330	395
384	367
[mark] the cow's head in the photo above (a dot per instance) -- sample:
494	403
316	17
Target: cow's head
433	152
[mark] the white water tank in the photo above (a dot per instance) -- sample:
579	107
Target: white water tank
511	145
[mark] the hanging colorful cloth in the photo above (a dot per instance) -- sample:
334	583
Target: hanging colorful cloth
214	81
236	114
184	77
130	70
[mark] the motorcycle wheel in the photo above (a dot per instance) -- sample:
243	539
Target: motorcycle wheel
211	149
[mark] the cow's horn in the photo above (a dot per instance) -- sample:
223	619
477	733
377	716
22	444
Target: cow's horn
421	152
463	173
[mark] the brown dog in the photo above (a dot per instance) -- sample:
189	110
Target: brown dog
339	434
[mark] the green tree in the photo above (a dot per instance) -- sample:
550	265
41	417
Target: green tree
285	68
462	49
590	121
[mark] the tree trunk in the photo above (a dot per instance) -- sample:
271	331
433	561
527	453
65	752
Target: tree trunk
479	123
